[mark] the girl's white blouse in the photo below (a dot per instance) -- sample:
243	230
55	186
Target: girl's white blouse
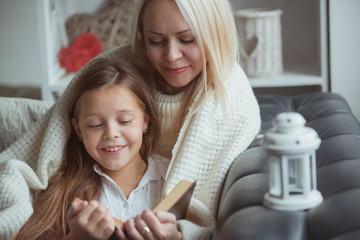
146	195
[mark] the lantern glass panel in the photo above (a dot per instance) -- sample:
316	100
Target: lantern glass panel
295	180
312	170
275	176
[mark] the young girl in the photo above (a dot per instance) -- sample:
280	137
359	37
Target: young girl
107	158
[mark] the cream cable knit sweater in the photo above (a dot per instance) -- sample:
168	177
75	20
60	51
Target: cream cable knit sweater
169	110
206	147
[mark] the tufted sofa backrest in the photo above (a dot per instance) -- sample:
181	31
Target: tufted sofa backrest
241	214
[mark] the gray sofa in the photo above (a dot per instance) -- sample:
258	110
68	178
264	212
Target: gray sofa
241	214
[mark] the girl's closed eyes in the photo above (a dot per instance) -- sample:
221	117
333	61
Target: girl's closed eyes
123	119
98	125
94	126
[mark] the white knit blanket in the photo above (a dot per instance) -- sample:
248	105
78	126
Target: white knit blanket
206	147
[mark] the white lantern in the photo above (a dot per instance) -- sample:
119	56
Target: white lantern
291	159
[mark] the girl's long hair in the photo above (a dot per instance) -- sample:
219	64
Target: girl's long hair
76	177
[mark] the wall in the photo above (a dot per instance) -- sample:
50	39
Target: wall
19	43
345	50
20	62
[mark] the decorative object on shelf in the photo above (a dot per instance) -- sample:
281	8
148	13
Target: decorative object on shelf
112	23
74	57
290	147
259	32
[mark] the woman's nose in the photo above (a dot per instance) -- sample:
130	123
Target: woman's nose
173	51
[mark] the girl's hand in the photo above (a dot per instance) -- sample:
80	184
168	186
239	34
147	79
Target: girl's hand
89	221
148	225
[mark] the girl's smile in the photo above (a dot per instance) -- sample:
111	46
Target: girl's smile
113	151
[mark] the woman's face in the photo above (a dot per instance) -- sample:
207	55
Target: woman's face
170	44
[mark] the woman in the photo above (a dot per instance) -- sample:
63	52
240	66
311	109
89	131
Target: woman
208	112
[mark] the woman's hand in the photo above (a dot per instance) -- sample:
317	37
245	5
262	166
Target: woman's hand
161	225
89	221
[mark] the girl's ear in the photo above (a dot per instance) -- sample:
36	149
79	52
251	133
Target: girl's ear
146	124
76	127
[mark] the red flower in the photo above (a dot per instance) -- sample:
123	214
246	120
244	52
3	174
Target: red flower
85	47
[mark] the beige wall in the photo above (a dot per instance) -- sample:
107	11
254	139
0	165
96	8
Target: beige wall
345	51
19	43
20	50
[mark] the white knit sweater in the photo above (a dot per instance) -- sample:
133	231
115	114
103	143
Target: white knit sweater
206	147
170	119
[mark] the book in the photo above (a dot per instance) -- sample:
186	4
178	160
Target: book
176	202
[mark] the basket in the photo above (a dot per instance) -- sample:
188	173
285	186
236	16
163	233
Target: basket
259	32
112	25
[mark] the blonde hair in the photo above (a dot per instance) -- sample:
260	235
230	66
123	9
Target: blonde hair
213	24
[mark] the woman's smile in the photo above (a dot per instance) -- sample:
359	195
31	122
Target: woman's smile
176	71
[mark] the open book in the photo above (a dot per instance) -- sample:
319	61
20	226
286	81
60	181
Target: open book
176	202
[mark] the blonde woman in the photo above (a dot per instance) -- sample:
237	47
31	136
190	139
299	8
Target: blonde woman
208	113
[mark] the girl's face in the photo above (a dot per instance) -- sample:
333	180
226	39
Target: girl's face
170	44
111	125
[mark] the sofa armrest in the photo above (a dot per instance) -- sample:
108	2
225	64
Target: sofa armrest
241	214
17	115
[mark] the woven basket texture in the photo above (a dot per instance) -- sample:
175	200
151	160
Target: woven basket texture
260	41
112	23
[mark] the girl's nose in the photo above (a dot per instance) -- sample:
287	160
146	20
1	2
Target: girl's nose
173	51
112	132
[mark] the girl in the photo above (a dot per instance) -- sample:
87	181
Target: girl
107	158
208	113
